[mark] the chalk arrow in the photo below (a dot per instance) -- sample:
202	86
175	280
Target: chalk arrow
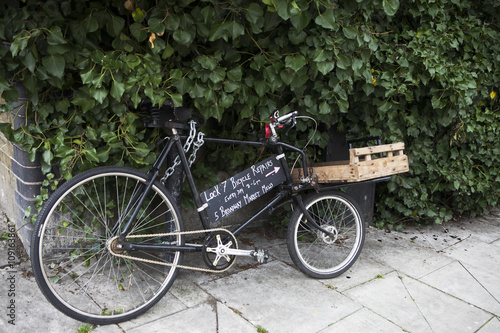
276	169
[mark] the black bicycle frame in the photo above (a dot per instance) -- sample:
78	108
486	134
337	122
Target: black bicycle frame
284	190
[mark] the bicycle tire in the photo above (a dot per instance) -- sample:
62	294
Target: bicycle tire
71	262
312	251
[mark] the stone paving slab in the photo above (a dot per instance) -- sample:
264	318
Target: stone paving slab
493	326
280	299
199	319
469	284
231	321
417	307
402	254
443	312
32	309
365	269
474	252
363	320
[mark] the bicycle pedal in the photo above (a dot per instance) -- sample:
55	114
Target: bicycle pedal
260	255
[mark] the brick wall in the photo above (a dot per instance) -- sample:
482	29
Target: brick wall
20	179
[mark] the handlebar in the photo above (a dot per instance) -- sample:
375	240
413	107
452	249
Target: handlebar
286	118
279	122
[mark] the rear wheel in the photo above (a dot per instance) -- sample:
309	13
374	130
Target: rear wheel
70	257
314	252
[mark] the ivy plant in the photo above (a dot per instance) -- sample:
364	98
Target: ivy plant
423	72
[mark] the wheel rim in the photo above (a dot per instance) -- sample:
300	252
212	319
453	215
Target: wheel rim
323	254
75	261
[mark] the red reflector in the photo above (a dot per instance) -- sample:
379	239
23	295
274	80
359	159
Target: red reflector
268	131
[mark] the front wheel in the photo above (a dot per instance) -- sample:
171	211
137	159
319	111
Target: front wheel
70	253
317	254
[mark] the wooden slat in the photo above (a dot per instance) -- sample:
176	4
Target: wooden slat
382	167
377	149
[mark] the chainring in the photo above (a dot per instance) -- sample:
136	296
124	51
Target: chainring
214	247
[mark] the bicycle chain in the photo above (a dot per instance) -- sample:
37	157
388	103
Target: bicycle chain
198	269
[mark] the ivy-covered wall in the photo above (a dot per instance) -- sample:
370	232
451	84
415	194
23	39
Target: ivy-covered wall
419	71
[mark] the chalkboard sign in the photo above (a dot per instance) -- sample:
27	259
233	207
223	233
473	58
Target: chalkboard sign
238	191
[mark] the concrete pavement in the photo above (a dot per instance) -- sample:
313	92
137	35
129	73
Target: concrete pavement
440	278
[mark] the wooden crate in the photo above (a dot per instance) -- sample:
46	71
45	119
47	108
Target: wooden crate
364	164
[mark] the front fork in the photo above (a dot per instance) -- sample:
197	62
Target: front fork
309	218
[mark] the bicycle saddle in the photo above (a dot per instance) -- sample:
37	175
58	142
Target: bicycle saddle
168	116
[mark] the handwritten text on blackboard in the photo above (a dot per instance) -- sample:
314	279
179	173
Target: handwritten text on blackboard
234	193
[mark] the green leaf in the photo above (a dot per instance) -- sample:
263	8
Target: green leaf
29	61
207	62
226	100
85	102
139	32
55	36
343	105
6	129
99	94
350	32
132	61
390	6
324	108
177	99
156	25
231	86
235	74
357	64
386	106
47	157
183	85
138	15
255	15
300	21
117	90
183	37
295	62
218	31
91	24
167	53
91	155
19	44
236	29
115	25
103	154
55	65
218	75
88	77
327	20
325	67
62	106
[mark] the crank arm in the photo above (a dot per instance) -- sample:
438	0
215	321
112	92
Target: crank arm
260	256
233	252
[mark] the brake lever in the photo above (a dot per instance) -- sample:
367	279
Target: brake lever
294	122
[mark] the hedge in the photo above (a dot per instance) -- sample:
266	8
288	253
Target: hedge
423	72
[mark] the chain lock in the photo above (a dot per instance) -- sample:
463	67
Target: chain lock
187	146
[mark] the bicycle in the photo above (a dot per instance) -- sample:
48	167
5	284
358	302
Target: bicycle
108	243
